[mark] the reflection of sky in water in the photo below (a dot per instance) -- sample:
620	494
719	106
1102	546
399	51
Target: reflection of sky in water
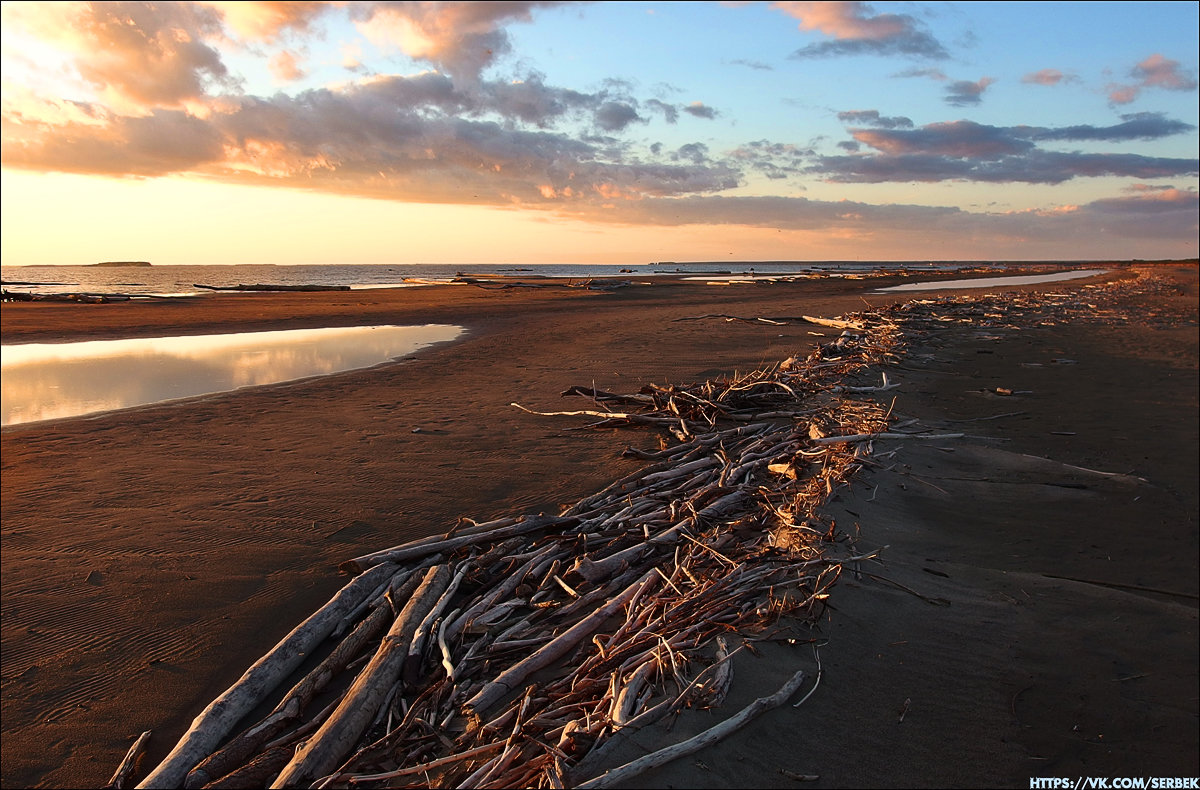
995	282
44	381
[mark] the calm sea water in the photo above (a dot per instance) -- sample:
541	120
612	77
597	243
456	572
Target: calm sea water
175	280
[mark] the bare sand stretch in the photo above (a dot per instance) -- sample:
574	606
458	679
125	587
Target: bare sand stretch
150	555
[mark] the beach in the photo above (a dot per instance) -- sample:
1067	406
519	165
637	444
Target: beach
150	555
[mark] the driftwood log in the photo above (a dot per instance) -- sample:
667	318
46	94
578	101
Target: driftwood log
219	718
269	287
128	767
341	731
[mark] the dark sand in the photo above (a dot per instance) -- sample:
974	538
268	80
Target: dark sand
150	555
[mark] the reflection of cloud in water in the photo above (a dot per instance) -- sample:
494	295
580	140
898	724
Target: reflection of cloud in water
46	381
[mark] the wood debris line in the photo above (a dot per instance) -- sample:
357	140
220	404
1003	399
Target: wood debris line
271	287
501	654
82	298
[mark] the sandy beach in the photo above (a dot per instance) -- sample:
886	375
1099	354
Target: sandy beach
1037	615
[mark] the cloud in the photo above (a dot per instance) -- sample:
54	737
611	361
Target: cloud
267	20
285	67
933	74
463	38
669	111
699	110
1135	126
965	93
967	139
1155	71
1111	219
753	64
774	160
1031	167
403	138
855	29
1168	213
162	142
962	139
1048	77
873	118
134	54
530	100
1123	94
1149	200
612	116
696	153
965	150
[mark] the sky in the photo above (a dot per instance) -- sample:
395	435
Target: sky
606	132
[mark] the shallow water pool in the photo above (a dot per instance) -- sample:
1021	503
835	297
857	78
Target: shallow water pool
43	381
994	282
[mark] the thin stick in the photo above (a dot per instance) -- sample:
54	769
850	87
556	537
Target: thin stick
696	743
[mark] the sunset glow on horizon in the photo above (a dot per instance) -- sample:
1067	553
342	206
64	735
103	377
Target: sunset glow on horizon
613	132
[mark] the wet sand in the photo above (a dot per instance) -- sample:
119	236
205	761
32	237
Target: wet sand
150	555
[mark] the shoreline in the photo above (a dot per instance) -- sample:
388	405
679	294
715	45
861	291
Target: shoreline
177	641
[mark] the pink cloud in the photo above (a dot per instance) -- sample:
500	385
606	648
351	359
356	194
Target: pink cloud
1123	94
857	29
1155	71
1044	77
844	20
285	67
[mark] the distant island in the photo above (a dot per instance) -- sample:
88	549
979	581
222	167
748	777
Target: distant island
121	263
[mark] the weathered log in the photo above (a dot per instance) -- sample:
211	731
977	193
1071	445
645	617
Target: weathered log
255	773
291	707
218	719
269	287
128	766
337	736
416	549
696	743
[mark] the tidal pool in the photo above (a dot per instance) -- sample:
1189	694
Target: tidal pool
43	381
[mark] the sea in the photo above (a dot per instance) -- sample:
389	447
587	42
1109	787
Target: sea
184	280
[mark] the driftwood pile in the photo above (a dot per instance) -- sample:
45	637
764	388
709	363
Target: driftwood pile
501	654
82	298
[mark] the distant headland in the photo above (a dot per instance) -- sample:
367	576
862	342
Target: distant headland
121	263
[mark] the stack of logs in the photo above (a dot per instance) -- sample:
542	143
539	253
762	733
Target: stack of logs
501	654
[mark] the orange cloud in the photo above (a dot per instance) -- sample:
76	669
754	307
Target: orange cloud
857	29
134	55
844	20
285	67
265	21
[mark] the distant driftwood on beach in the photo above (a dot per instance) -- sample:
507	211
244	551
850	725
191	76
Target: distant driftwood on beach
268	287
